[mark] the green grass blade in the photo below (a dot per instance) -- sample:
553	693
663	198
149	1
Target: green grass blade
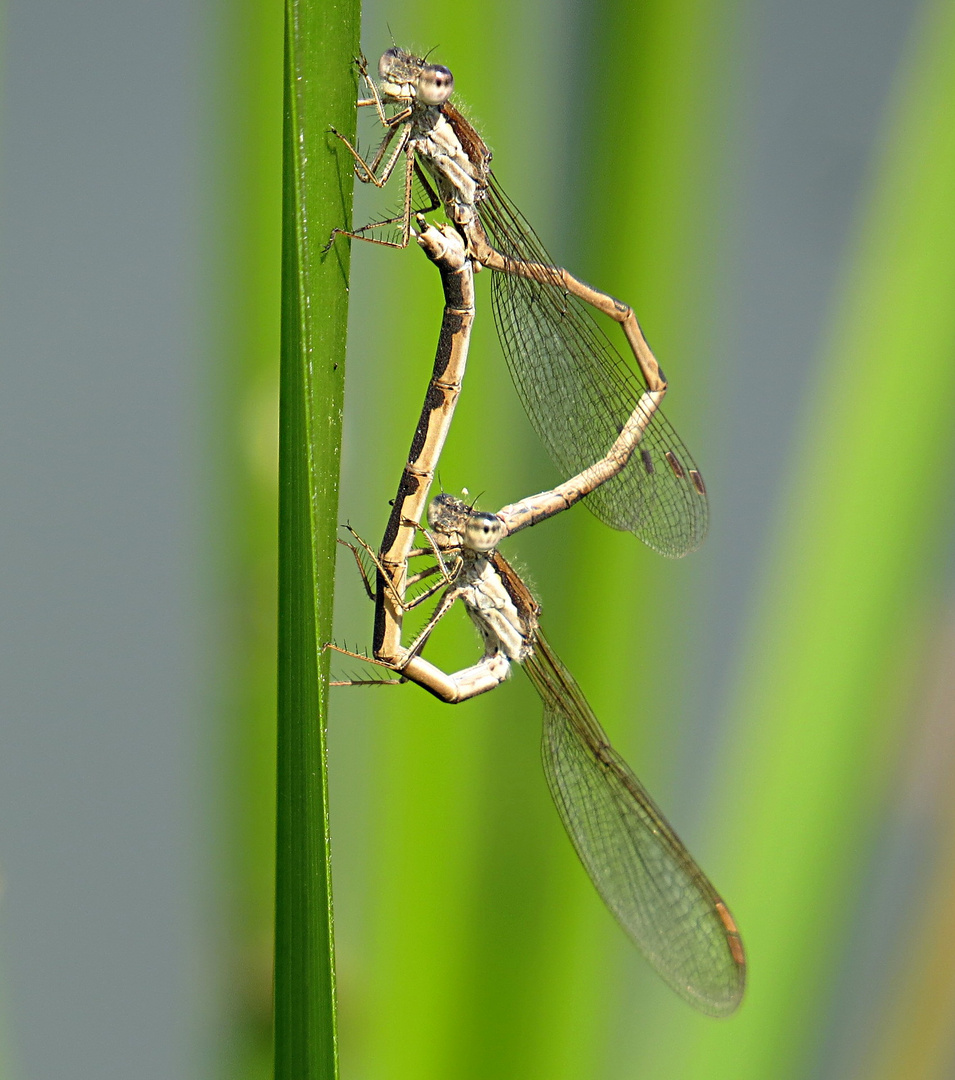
317	183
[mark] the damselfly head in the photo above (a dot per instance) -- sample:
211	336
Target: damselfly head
459	522
408	78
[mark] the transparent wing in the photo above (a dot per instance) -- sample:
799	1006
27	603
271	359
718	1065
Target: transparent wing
636	861
578	392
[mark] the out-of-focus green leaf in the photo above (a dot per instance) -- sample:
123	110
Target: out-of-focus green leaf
852	571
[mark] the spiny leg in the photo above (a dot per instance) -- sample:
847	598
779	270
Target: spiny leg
447	575
437	615
332	647
404	219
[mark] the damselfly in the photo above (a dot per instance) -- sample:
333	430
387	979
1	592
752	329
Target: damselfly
635	859
637	863
576	387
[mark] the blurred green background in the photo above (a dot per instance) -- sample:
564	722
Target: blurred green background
770	185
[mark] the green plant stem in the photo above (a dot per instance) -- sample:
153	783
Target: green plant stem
321	40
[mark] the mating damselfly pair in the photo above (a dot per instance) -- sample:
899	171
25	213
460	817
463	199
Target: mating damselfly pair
600	420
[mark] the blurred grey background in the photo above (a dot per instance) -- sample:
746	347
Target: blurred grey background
107	820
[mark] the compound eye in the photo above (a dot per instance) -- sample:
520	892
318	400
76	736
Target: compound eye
435	84
439	511
386	62
483	531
